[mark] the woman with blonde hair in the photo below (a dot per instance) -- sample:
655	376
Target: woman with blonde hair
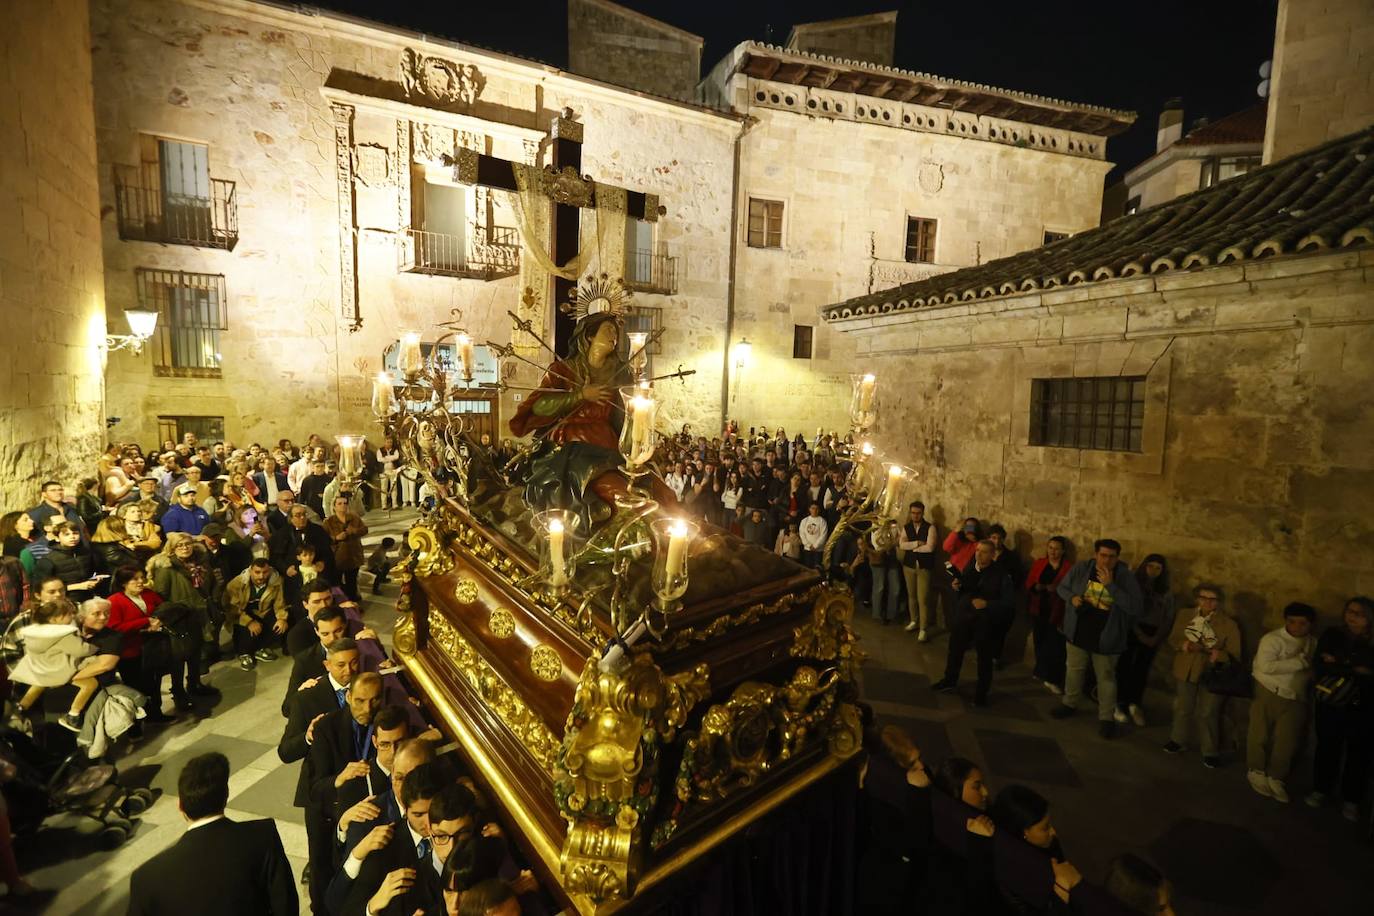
182	576
141	529
112	543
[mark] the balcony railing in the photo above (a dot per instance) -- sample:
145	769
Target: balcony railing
650	273
148	213
485	254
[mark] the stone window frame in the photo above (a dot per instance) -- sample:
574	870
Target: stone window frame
1122	396
782	201
1096	359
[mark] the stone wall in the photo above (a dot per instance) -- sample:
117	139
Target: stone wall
1323	74
1178	177
847	190
864	38
51	292
260	85
616	45
1255	469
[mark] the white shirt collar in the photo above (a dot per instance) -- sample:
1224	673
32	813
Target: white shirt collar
202	821
335	684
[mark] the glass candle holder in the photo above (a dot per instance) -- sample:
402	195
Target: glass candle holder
898	483
410	358
465	356
639	356
673	538
863	401
863	460
383	395
557	546
637	441
350	457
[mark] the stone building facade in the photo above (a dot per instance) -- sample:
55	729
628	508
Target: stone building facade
616	45
871	39
1183	163
350	226
1193	381
52	297
334	217
855	169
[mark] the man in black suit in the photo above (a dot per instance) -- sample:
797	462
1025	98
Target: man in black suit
400	865
383	806
270	482
343	748
219	867
307	708
390	728
329	624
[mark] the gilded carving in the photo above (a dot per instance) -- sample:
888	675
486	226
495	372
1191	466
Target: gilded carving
522	721
546	664
565	186
605	780
501	623
828	636
440	80
744	618
465	591
432	558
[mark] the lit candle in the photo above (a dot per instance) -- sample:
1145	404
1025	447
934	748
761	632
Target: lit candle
677	551
558	573
638	340
642	428
410	359
348	457
465	355
383	396
867	450
866	387
894	481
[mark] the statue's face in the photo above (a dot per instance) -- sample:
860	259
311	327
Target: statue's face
604	341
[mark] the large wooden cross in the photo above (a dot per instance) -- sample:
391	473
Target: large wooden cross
569	192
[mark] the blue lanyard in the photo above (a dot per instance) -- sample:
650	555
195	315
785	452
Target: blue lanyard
362	746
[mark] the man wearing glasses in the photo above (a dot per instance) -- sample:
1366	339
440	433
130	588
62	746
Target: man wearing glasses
1201	639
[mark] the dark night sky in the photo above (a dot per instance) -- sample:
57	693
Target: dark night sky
1123	55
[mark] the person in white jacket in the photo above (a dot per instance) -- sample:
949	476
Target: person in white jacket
813	530
1283	673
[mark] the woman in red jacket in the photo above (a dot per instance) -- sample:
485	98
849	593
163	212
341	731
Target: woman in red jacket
1046	609
132	604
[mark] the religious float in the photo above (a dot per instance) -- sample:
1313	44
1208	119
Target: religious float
663	716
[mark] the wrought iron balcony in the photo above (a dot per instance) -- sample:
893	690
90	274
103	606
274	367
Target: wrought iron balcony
650	273
484	254
146	212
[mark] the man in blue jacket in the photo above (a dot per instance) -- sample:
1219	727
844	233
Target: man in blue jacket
185	515
1102	602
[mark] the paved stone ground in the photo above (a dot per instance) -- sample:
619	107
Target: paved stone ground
1227	850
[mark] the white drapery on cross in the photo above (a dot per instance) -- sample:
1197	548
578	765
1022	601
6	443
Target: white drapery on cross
530	204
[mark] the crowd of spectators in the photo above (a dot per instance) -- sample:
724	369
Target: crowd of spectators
161	566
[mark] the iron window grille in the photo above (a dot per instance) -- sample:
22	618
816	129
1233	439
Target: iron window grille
1106	414
920	240
765	223
206	429
170	197
192	313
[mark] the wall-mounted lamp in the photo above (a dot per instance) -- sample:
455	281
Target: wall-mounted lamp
742	351
142	323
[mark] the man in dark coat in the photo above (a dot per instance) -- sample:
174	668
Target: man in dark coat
286	543
342	750
985	596
219	867
308	707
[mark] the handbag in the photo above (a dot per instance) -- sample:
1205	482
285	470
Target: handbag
1337	690
1227	679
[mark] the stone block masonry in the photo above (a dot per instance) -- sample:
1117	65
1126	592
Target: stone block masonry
52	297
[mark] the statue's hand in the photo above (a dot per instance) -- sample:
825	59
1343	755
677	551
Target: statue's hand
596	394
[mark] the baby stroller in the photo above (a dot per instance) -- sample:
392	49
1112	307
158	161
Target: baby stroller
45	784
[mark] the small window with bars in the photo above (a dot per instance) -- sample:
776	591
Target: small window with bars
205	429
802	335
1052	236
920	240
765	223
192	313
1106	414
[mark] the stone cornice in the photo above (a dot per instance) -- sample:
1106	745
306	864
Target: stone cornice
421	113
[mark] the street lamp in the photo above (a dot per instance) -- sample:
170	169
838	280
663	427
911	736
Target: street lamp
142	323
743	349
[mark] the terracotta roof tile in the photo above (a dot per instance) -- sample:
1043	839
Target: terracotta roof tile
1242	127
1322	198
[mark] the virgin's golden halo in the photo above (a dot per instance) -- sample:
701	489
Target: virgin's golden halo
597	294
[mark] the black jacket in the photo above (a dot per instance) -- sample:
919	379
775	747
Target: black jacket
425	894
992	584
70	564
113	555
224	868
286	541
334	748
307	663
305	705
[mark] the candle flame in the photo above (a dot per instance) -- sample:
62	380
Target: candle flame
870	378
412	337
555	526
678	529
642	403
867	448
463	340
894	471
643	386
